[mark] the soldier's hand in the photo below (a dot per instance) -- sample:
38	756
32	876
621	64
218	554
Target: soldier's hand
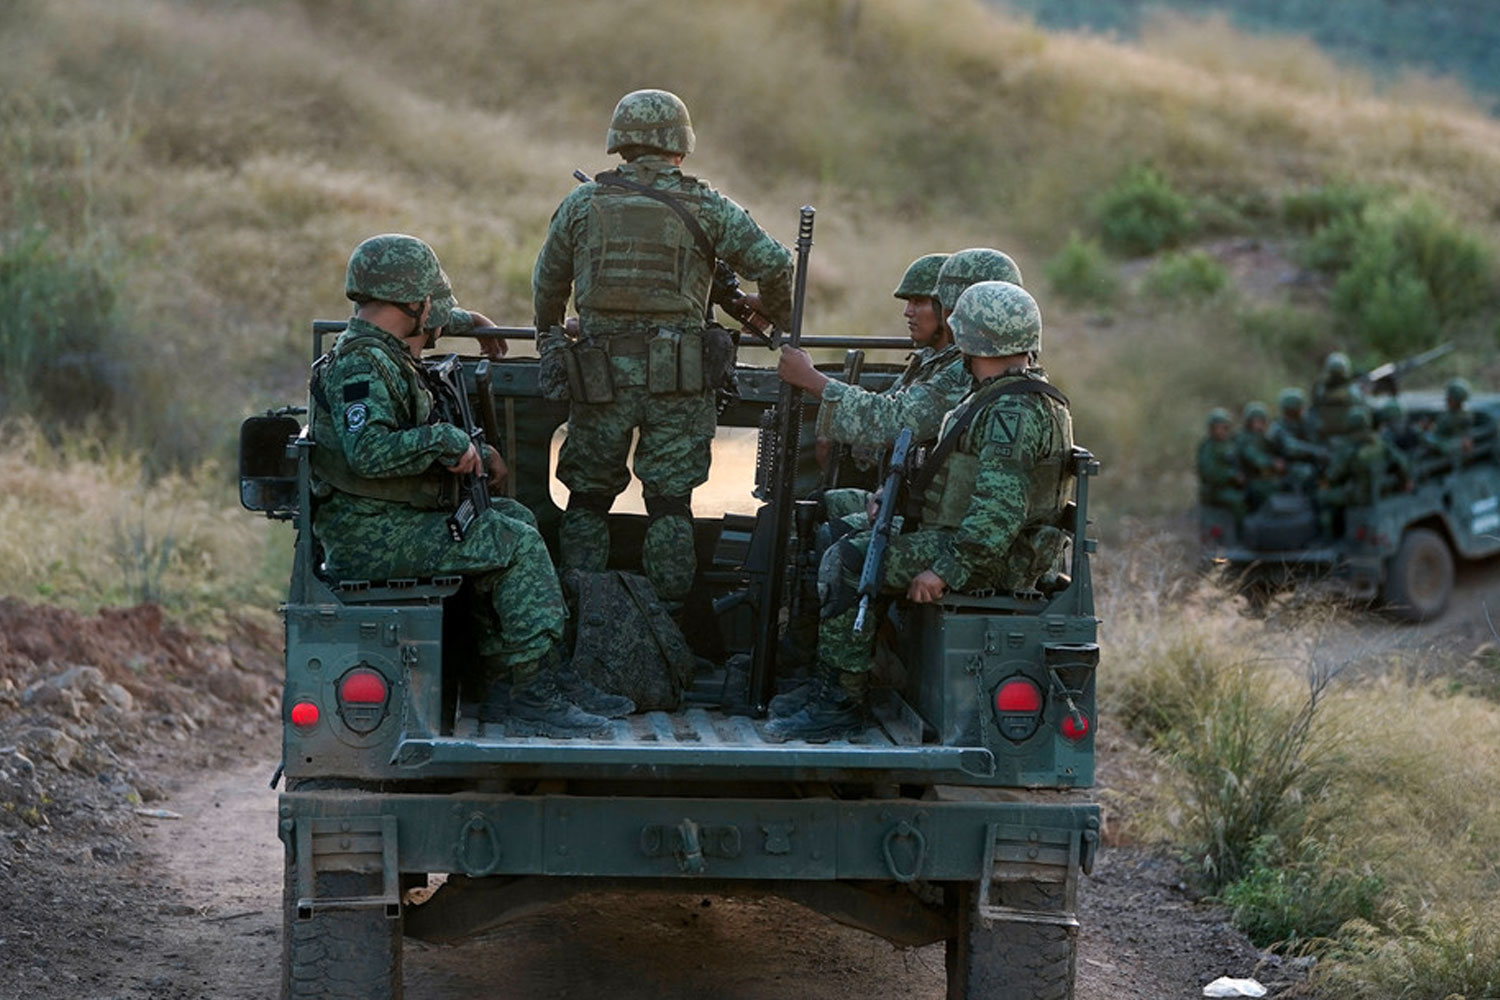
491	347
498	470
926	588
469	463
872	505
571	327
796	368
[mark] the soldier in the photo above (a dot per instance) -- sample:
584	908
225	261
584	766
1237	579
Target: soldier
1333	396
1291	439
1260	465
383	473
989	501
1397	429
637	247
1220	481
1452	433
1362	471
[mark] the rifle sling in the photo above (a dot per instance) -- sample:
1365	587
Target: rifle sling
613	178
983	398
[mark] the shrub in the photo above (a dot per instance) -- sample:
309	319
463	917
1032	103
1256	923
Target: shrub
1194	276
1292	897
1317	208
1142	214
1288	333
1081	273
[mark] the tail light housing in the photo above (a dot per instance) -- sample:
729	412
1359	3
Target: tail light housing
1075	726
1018	707
363	696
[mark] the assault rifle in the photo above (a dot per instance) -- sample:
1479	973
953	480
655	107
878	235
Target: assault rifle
1386	378
725	293
780	434
451	406
872	574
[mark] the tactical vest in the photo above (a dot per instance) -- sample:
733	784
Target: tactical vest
435	490
639	257
946	499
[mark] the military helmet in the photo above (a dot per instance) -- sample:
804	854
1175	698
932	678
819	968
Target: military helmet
1218	415
393	267
994	319
969	266
1457	390
1291	399
1336	365
1358	419
654	118
443	304
1255	410
1391	410
921	277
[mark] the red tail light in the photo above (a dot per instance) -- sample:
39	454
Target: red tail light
363	694
1075	727
1215	533
1018	708
304	715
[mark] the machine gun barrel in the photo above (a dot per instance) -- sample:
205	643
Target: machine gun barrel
872	573
788	432
1387	377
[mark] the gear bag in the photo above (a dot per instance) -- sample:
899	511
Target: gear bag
626	642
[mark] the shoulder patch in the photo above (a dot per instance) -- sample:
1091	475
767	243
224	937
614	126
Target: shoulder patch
356	390
355	415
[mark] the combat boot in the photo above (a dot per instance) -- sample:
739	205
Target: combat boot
793	701
538	708
580	691
836	711
496	702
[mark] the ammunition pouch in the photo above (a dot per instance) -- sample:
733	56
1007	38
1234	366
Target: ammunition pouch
675	363
719	349
590	379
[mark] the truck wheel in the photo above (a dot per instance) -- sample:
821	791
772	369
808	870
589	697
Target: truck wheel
1419	577
338	954
1011	960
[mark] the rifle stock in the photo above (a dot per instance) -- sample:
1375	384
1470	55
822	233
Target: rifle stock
872	573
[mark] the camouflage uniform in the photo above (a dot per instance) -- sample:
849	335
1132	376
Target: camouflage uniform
1291	438
1220	482
634	267
1333	396
1453	432
988	515
1258	462
1365	468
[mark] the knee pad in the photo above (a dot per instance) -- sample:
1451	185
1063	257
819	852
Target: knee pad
659	507
596	503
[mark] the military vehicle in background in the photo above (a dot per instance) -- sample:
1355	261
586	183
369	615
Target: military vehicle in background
959	815
1399	551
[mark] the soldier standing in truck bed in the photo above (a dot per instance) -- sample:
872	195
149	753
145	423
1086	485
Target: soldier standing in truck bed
637	248
1333	396
997	482
383	477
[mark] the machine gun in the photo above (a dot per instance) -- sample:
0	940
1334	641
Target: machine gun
780	434
1386	378
872	574
451	406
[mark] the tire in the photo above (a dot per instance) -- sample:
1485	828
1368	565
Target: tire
1419	577
339	954
1011	960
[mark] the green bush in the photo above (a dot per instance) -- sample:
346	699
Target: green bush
1142	214
1288	333
1193	276
55	330
1317	208
1299	896
1081	273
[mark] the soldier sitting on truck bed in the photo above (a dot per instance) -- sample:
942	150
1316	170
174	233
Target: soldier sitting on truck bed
1365	468
1291	438
1259	463
1220	481
1454	432
990	497
1397	428
383	475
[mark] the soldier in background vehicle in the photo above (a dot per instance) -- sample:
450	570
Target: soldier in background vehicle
1333	396
1453	432
383	470
1220	481
1397	429
640	276
1261	467
988	508
1365	468
1291	438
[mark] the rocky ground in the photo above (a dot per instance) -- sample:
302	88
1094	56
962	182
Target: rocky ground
138	859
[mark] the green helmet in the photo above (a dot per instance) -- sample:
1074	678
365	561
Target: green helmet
966	267
393	267
994	319
1358	419
1336	365
1218	415
443	304
921	277
654	118
1457	390
1291	399
1390	411
1255	410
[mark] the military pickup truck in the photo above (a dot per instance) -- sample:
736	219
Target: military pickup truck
959	815
1397	552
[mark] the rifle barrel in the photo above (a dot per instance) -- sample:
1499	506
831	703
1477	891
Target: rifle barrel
324	327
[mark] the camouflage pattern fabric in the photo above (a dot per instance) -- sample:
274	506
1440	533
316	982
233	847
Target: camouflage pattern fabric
1291	438
393	267
1332	401
673	454
929	388
1258	463
377	422
1364	469
654	118
970	266
625	640
995	319
1220	483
